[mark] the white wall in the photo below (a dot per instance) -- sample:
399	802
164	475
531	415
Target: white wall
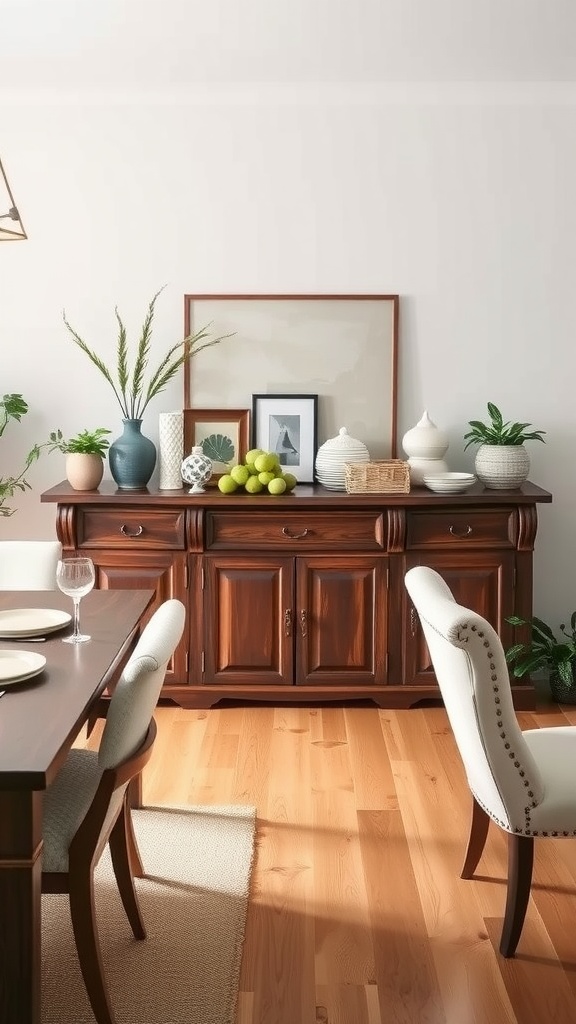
461	199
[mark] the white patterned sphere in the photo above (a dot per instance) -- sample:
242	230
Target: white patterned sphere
196	469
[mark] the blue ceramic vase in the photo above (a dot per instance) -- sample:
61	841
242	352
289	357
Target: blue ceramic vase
132	457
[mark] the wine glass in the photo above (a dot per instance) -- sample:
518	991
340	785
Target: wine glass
76	577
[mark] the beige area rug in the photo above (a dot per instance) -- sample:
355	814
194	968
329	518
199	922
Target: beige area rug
194	900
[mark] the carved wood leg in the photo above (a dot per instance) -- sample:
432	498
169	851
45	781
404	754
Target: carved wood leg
20	887
133	851
82	912
121	862
520	861
476	840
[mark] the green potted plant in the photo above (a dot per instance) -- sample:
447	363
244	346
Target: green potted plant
501	460
547	652
85	456
133	456
13	407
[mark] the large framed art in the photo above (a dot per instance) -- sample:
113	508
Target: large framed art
342	348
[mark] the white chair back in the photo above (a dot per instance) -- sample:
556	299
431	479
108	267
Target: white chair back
472	674
137	692
29	564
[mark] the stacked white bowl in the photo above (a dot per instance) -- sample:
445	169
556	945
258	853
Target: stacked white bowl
449	483
334	454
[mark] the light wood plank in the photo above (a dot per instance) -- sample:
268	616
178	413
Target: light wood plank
357	912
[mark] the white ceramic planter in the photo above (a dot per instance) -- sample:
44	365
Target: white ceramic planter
84	472
502	467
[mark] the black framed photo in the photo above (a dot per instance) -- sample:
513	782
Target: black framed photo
287	425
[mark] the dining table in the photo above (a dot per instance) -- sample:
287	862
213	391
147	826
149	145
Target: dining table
40	718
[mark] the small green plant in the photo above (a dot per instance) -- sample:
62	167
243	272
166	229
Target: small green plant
545	650
13	407
498	432
87	442
129	387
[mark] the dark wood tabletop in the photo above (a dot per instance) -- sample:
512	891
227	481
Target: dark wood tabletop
40	718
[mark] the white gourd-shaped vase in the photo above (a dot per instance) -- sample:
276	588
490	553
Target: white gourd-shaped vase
425	445
196	469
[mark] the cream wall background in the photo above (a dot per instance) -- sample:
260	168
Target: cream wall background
140	153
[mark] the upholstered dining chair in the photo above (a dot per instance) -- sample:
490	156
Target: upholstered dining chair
521	780
29	564
87	807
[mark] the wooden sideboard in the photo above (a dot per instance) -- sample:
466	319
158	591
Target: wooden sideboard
301	597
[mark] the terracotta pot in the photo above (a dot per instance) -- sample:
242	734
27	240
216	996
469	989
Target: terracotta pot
84	472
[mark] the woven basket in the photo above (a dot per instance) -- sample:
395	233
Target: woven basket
384	476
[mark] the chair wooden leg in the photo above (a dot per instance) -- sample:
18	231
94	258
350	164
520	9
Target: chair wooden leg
477	839
133	851
120	851
520	861
82	912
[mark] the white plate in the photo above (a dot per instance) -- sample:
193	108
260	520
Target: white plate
441	488
22	622
16	666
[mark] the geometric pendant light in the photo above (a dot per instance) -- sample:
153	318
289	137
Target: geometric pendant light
11	226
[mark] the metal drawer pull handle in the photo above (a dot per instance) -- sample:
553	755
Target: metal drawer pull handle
136	533
295	536
303	622
288	622
463	532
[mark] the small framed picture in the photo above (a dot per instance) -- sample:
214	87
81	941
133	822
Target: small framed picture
223	433
287	425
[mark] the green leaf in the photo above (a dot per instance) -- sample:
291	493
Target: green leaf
495	416
499	432
218	447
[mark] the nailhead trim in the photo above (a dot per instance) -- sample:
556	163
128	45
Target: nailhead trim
527	831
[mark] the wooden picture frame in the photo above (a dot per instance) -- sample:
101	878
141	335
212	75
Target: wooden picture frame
234	424
288	425
342	347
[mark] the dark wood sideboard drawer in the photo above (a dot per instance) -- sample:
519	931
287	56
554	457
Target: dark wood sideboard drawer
130	528
495	528
347	531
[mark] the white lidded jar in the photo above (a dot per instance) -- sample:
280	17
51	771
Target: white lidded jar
425	445
333	455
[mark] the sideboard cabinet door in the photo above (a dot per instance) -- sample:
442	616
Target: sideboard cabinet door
248	620
483	582
341	620
161	571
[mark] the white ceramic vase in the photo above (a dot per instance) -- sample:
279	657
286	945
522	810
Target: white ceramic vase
171	450
425	445
502	466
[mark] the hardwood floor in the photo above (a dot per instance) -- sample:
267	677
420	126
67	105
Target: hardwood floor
357	913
